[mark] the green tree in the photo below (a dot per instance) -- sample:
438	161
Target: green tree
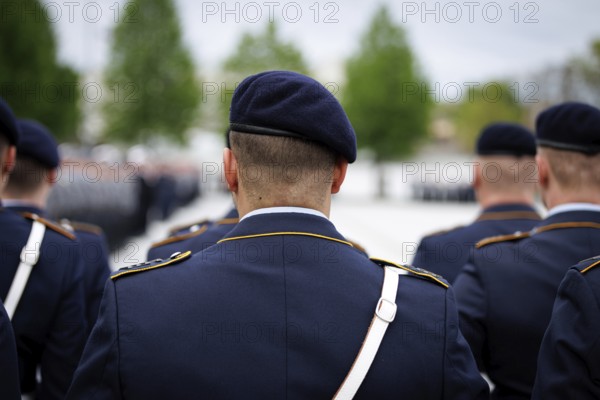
151	76
484	104
590	67
31	79
254	54
262	52
384	95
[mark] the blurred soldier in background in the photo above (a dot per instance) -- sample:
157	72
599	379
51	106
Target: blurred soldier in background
27	190
504	181
195	237
569	360
9	365
506	291
256	315
41	287
100	194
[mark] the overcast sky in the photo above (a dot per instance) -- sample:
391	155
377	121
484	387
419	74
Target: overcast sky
462	41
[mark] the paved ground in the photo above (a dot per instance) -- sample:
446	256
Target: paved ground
391	229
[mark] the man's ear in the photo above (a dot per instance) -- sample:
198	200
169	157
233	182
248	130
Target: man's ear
52	176
231	170
543	170
10	156
339	174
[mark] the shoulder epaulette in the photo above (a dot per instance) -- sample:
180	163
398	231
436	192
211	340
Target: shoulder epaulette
153	264
567	225
179	238
227	221
73	226
49	224
85	227
188	227
537	230
413	270
502	238
443	231
587	265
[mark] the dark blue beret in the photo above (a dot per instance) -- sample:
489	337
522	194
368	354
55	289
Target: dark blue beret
570	126
37	142
8	123
506	139
284	103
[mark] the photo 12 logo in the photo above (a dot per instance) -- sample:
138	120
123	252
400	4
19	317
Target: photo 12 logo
456	92
69	11
89	92
253	12
470	11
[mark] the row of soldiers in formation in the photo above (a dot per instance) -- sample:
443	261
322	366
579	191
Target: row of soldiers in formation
121	198
51	284
277	303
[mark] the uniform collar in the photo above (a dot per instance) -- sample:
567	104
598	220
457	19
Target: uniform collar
508	207
285	222
509	211
22	206
569	207
574	214
279	210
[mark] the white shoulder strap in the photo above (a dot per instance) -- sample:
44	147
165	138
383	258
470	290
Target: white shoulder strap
385	311
29	257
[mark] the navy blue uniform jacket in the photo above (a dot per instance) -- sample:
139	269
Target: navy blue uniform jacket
49	322
447	252
9	366
569	360
277	309
506	292
94	251
204	235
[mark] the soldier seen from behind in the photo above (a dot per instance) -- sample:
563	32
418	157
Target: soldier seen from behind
569	359
506	291
280	307
29	185
41	285
504	181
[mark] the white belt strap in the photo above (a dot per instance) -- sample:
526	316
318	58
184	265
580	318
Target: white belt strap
29	257
385	311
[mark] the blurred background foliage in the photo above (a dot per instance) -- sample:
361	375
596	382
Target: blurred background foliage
151	77
489	102
254	54
34	83
153	88
383	94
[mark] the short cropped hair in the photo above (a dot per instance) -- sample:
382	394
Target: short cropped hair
272	163
573	170
27	176
508	173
